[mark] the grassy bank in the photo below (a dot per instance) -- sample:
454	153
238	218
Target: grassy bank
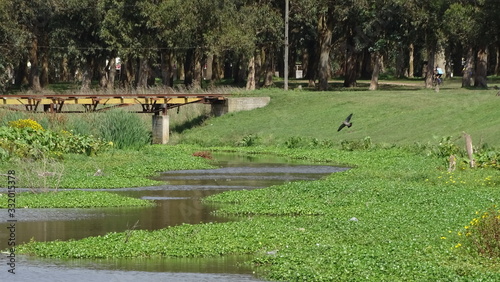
111	169
399	115
395	216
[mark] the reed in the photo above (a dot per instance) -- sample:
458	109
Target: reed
124	129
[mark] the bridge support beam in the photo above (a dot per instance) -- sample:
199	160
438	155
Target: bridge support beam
161	127
231	105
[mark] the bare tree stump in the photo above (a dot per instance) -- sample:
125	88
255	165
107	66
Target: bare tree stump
468	147
452	163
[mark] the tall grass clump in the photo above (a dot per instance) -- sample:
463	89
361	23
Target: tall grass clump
482	234
124	129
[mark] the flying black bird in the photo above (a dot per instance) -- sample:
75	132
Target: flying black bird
346	122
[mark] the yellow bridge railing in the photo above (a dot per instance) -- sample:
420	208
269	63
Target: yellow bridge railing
151	103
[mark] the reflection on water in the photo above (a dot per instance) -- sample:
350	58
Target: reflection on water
178	201
50	270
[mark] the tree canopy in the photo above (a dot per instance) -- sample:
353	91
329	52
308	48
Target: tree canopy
243	41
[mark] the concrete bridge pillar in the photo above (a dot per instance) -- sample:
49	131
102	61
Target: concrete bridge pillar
161	127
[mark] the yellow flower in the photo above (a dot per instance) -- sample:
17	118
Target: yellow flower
458	245
443	238
22	123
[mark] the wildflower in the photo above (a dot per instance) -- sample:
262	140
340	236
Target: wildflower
22	123
443	238
458	245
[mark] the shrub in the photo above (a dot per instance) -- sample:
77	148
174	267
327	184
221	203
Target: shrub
364	144
248	141
124	129
23	123
483	233
26	142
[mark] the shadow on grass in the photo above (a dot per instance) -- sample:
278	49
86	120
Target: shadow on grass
197	121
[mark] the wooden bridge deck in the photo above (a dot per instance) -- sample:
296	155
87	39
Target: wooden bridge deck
151	103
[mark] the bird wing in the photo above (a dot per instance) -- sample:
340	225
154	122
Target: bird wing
348	118
341	126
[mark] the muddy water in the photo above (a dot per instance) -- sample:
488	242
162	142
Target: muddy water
178	201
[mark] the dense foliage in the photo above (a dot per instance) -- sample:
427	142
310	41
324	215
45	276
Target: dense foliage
27	139
80	40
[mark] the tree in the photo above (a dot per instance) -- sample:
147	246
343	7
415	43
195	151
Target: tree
12	40
32	19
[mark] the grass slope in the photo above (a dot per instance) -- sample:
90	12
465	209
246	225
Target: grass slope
389	116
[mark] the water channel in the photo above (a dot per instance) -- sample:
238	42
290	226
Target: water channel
178	201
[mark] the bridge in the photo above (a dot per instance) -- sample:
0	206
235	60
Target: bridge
151	103
156	104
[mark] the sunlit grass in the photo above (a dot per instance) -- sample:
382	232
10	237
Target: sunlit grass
388	116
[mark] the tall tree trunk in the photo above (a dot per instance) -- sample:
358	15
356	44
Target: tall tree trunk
65	73
367	61
251	74
306	59
325	28
198	70
258	67
167	67
377	63
22	72
497	62
228	70
468	71
188	68
102	68
240	70
481	68
217	70
34	78
144	73
44	74
87	73
411	67
400	62
268	70
431	54
127	68
351	63
111	71
448	64
312	66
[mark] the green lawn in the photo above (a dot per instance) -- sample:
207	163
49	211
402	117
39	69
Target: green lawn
399	115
